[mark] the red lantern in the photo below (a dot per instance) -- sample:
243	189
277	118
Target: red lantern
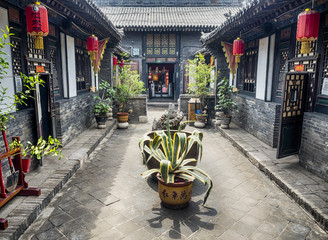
37	23
92	46
122	63
115	61
150	76
238	49
307	28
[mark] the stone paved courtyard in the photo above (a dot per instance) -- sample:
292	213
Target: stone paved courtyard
108	199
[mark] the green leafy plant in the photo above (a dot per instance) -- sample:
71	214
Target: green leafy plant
202	78
8	104
170	152
226	103
104	100
128	86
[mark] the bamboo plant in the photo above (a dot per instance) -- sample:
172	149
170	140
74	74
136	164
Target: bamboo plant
170	152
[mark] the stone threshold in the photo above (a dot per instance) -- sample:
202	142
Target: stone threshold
307	189
50	178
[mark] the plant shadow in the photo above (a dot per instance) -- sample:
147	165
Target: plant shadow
184	221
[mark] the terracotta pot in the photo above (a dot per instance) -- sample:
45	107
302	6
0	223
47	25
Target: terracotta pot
122	117
174	195
153	163
26	163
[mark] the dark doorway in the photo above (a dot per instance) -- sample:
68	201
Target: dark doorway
292	109
161	80
44	106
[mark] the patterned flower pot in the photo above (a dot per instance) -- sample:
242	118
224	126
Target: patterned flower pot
174	195
225	122
122	117
201	117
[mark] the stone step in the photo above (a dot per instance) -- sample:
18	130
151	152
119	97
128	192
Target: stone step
161	104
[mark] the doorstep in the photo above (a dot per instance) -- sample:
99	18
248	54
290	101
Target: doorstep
50	178
307	189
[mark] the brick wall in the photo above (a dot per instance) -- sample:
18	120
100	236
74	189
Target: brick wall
23	125
139	106
314	144
73	116
259	118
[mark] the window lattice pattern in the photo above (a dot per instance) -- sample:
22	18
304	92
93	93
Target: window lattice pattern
83	72
53	66
313	49
283	66
249	67
16	56
160	44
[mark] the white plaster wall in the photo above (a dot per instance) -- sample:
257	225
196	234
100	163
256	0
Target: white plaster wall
270	69
261	74
63	58
72	91
8	79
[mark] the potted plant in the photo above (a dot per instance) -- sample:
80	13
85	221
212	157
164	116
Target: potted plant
103	103
201	79
225	102
175	176
128	86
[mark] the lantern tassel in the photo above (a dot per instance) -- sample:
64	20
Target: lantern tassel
237	59
38	42
305	48
92	56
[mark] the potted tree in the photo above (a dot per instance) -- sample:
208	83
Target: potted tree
225	102
128	86
201	79
103	103
175	175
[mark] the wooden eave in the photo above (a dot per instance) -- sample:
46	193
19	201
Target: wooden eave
82	14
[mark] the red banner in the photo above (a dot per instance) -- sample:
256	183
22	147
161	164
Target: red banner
299	68
99	55
228	50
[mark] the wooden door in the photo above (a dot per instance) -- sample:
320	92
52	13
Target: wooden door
292	110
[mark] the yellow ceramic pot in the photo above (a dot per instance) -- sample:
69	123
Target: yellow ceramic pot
174	195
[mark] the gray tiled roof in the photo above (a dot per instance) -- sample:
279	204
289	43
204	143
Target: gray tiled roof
143	18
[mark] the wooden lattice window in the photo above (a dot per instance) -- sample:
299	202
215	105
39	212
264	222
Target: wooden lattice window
249	67
160	44
83	72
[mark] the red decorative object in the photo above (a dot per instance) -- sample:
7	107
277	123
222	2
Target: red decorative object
238	49
92	46
150	76
212	61
37	23
115	61
26	162
299	68
122	63
307	28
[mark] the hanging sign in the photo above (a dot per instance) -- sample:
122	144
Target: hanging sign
299	68
324	89
39	69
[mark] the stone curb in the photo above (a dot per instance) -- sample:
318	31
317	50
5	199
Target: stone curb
276	175
31	207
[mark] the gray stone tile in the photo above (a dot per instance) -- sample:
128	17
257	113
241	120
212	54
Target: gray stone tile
127	228
51	234
59	219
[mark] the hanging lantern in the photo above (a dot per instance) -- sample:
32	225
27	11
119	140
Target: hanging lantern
92	46
307	28
238	49
150	76
37	23
122	63
115	61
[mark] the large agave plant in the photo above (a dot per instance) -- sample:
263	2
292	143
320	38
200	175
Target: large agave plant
171	153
